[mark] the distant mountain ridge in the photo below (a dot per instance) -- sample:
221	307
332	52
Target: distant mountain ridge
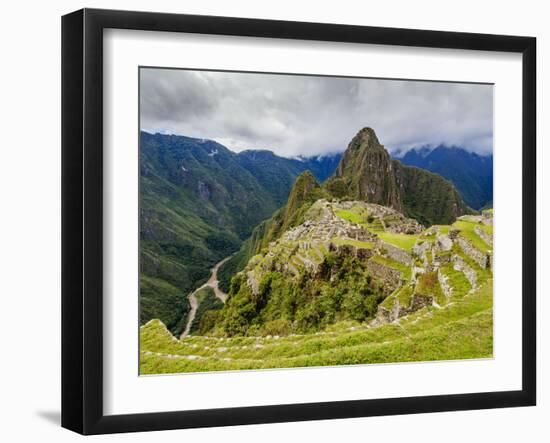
278	173
471	173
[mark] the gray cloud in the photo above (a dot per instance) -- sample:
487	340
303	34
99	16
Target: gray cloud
303	115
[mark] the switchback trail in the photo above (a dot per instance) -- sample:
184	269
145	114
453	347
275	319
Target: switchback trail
213	283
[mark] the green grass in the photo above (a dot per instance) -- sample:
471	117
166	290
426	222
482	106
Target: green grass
444	229
403	295
458	331
352	242
403	241
404	269
482	273
467	231
375	226
429	256
353	215
457	280
487	228
428	284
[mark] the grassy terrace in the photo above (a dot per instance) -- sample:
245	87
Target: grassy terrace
359	215
355	215
403	241
428	284
404	269
403	295
467	231
457	280
487	228
444	229
458	331
352	242
482	274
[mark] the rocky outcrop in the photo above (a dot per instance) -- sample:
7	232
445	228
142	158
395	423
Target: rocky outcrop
367	172
252	282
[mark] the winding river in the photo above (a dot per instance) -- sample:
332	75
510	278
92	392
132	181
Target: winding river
194	302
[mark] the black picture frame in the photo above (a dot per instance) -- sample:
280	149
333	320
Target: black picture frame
82	220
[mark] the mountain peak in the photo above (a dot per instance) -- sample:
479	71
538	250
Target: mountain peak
367	171
366	137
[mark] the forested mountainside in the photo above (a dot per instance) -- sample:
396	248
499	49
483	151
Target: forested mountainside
471	173
198	202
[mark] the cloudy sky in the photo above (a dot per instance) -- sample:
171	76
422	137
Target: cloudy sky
304	115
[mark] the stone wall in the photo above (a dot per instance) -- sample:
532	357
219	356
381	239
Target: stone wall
391	277
465	268
444	283
351	250
397	254
486	237
481	258
420	249
444	242
397	311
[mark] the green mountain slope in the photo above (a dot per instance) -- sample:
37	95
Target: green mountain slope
277	174
472	174
198	202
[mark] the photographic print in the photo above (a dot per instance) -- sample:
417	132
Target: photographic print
291	221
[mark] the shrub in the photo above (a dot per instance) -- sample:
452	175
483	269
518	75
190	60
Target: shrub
280	326
208	321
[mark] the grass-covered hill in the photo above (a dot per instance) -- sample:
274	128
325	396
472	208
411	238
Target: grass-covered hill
198	202
355	283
